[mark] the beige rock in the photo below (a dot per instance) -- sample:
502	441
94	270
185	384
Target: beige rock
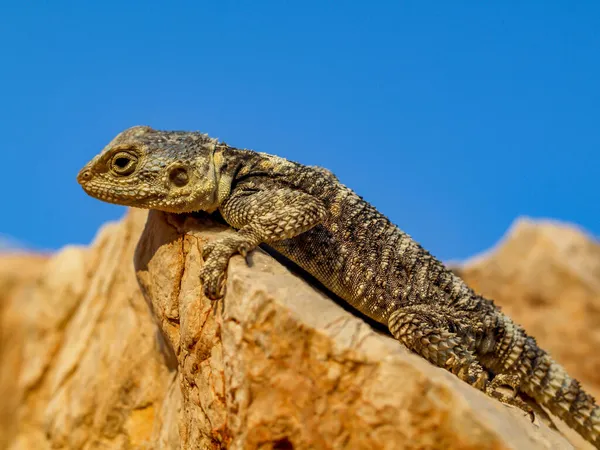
546	276
276	365
280	365
18	274
92	370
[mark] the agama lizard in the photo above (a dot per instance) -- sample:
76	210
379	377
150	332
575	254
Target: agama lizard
307	215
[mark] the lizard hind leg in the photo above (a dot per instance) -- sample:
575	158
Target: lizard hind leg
427	333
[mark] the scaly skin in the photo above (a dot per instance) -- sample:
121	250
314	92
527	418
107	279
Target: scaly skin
307	215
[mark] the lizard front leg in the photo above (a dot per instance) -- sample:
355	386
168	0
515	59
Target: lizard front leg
261	217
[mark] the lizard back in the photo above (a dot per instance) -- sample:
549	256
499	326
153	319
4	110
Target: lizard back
357	252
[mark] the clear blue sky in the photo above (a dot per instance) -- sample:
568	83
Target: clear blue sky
453	118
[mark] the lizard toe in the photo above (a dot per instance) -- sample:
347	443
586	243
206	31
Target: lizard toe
213	282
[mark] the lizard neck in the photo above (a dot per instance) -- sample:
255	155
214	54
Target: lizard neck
229	165
223	175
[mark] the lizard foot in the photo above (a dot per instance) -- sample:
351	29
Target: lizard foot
467	370
216	255
512	381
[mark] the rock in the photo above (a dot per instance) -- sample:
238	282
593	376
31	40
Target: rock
280	365
546	276
18	274
92	369
111	361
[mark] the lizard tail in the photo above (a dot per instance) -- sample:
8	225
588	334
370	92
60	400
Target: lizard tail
551	386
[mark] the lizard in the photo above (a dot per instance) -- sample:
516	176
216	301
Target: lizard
307	215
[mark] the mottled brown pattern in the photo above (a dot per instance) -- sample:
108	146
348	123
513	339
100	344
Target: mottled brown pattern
307	215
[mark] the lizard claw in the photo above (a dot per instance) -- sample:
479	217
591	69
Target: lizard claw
244	249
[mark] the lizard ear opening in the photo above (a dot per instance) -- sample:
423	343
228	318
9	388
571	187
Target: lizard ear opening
179	176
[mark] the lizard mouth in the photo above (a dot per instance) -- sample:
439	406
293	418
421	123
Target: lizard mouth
137	198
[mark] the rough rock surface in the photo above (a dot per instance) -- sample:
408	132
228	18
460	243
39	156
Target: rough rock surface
546	275
276	365
90	371
17	278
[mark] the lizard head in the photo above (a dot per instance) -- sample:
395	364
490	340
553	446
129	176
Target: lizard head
167	170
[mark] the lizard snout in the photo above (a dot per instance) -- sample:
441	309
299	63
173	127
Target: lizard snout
84	176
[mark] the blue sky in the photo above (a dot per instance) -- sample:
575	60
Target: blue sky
453	118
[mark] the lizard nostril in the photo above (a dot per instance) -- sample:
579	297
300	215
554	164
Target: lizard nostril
84	176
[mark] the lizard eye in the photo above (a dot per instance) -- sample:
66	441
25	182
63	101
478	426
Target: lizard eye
123	163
